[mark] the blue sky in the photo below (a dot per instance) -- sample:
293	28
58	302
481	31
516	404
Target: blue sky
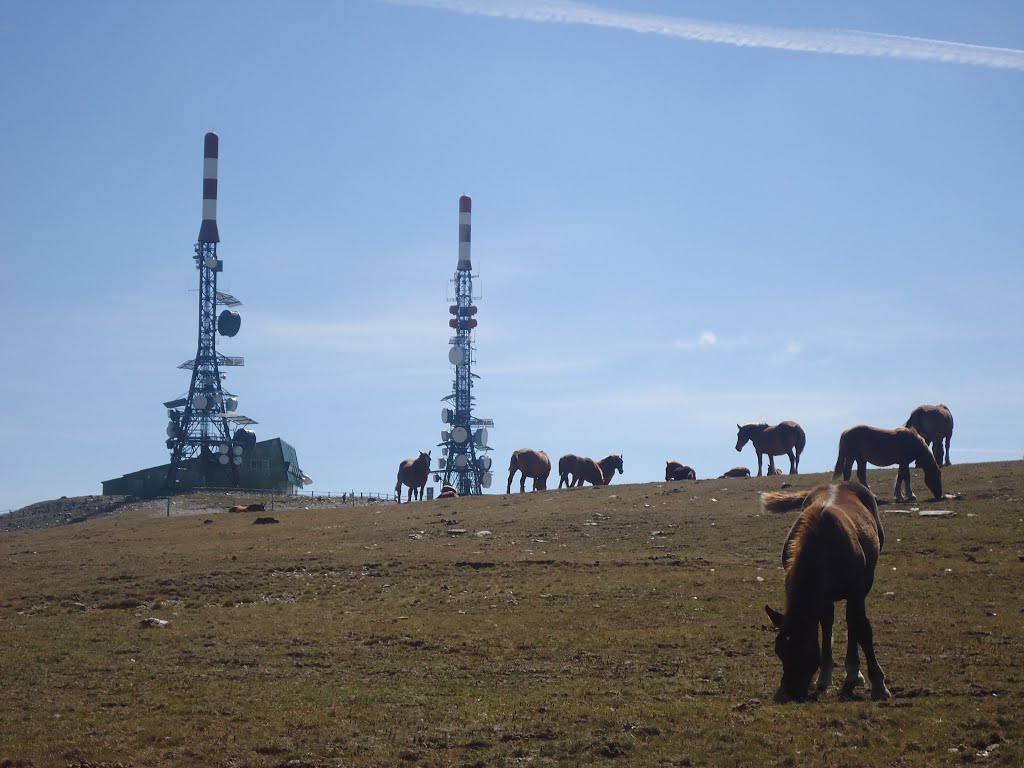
813	213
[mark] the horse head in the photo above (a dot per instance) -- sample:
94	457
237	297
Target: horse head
424	458
796	645
741	437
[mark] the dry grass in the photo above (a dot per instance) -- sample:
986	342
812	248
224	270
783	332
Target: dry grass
613	625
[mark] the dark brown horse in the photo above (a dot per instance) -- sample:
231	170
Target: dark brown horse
736	472
608	466
413	473
575	470
786	437
531	463
934	423
676	471
884	447
829	555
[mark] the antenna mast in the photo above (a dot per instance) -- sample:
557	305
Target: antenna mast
201	422
464	462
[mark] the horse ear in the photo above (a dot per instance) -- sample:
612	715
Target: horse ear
738	427
776	617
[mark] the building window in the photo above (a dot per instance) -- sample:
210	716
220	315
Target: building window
259	463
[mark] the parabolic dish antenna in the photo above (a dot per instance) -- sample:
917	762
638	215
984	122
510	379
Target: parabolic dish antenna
446	415
460	434
484	462
199	402
480	437
440	463
457	355
485	481
461	461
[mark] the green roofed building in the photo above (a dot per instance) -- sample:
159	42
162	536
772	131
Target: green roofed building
270	465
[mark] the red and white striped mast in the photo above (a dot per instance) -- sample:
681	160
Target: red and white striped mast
465	463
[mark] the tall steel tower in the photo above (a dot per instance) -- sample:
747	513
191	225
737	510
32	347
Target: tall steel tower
465	463
201	421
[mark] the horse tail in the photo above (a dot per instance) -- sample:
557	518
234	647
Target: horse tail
398	485
838	471
783	501
801	441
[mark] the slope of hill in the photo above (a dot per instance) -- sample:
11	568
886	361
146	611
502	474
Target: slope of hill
617	624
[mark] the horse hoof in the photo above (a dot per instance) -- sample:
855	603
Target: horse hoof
881	695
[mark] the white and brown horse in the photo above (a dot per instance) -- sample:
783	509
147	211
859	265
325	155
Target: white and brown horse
829	555
676	471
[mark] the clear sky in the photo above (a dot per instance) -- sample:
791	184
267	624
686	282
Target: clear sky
685	215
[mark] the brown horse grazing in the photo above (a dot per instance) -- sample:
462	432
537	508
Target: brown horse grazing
934	423
413	473
531	463
786	437
676	471
883	447
736	472
608	466
829	555
582	469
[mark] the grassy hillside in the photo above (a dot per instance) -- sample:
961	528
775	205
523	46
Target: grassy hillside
617	625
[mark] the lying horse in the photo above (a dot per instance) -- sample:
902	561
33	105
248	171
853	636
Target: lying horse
829	555
413	473
736	472
786	437
448	492
608	466
676	471
934	423
883	447
531	463
582	469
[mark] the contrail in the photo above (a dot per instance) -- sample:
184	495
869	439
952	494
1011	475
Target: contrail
841	42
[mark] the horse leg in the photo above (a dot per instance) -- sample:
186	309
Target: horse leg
862	472
522	483
903	475
792	461
759	463
827	662
511	474
948	462
857	619
853	676
771	464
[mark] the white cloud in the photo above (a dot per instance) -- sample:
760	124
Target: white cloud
841	42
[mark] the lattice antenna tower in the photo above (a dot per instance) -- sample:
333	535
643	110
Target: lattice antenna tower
202	421
464	462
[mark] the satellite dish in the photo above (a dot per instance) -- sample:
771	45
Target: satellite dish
237	460
440	463
460	434
461	461
444	451
230	403
237	450
199	402
223	459
218	399
224	448
480	438
172	429
211	262
446	415
445	436
245	438
485	463
457	355
228	323
485	481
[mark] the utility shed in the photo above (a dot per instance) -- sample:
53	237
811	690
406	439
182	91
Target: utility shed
269	465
